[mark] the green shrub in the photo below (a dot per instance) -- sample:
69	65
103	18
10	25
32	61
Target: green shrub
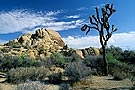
56	59
111	58
31	86
95	63
8	62
55	78
120	70
115	51
22	74
77	70
127	56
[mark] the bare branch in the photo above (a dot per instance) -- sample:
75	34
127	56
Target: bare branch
113	29
84	28
95	28
88	30
91	21
95	18
97	13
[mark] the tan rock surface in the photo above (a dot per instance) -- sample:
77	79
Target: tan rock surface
41	43
87	52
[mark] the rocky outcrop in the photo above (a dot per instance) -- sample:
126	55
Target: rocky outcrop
42	37
87	52
40	44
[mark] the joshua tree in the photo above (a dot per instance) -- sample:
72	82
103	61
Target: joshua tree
102	25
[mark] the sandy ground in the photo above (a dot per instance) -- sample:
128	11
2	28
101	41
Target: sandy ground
104	82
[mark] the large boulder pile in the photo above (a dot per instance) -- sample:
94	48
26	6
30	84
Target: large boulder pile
40	44
42	37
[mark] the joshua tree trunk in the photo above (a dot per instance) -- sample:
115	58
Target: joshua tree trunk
105	69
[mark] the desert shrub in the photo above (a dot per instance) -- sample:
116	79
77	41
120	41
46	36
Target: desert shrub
55	78
64	86
47	62
120	70
111	58
115	51
31	86
5	50
127	56
8	62
95	63
119	75
56	59
14	44
22	74
77	70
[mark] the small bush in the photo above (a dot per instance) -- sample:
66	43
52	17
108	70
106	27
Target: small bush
55	78
22	74
56	59
64	86
95	63
5	50
31	86
120	70
77	70
8	62
14	44
119	76
111	58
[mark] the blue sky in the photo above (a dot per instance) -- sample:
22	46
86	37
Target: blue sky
66	16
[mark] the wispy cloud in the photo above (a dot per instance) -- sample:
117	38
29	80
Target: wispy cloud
82	8
123	40
24	20
64	25
74	16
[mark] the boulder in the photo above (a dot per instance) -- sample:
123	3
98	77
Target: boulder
87	52
80	53
41	43
25	39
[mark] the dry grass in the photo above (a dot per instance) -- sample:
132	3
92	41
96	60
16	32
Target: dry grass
92	82
103	82
6	86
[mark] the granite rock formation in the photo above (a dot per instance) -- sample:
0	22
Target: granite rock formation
42	43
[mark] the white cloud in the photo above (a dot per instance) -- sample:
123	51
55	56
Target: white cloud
82	42
3	41
82	8
123	40
24	20
74	16
63	25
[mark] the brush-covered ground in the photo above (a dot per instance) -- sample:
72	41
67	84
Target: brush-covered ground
61	72
94	82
